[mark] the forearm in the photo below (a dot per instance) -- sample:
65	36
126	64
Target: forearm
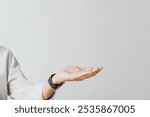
47	91
48	88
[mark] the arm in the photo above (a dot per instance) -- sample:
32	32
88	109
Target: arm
20	88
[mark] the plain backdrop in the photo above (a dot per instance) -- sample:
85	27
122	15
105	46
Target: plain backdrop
47	35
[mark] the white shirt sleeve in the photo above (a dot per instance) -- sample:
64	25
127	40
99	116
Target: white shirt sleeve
18	85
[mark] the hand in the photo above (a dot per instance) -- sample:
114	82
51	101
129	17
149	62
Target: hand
75	73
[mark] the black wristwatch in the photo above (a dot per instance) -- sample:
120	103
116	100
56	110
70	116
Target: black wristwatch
50	82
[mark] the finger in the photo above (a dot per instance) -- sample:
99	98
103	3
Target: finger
94	72
84	75
87	68
97	69
72	69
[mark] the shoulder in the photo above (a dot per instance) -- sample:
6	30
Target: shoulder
4	50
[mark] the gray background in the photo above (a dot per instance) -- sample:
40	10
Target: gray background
47	35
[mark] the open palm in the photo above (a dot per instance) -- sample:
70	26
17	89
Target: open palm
75	73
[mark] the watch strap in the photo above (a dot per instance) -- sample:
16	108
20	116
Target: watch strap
54	86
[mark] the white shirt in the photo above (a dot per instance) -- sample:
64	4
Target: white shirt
13	83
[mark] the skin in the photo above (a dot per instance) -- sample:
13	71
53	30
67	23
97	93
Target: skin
71	73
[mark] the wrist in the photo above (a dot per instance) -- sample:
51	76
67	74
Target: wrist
56	79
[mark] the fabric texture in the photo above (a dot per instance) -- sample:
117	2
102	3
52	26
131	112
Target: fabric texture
13	83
